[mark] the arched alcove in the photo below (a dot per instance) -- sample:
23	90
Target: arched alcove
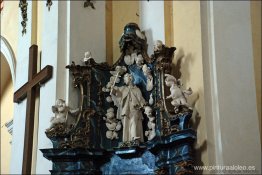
8	53
7	92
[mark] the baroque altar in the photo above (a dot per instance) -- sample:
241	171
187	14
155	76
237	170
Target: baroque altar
133	116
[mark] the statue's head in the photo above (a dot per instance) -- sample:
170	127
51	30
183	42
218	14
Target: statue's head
170	80
131	28
60	104
139	60
158	45
132	38
128	78
110	113
148	111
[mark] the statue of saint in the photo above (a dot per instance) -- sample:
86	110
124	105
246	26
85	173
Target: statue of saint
129	101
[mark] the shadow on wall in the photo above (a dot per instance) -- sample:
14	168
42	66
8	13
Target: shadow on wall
181	70
195	122
182	61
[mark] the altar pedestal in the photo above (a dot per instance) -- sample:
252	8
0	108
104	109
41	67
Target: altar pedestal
76	161
172	154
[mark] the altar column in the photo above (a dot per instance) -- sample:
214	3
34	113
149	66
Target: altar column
68	31
54	43
230	96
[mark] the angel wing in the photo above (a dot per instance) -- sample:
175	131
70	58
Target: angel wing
54	109
188	91
140	34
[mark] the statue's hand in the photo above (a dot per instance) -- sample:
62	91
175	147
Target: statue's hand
113	90
168	97
146	133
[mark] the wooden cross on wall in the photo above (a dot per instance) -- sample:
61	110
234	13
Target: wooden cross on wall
30	90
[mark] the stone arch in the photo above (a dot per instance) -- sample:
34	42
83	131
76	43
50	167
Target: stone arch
8	66
8	53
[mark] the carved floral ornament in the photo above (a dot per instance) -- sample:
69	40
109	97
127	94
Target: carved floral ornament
23	6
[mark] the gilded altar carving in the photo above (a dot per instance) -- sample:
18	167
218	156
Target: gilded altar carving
131	106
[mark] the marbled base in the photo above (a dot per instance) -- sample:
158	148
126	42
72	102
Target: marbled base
140	165
171	154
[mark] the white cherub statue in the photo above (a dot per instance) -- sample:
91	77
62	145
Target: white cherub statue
149	77
129	59
151	132
112	124
158	45
139	60
177	94
61	112
88	56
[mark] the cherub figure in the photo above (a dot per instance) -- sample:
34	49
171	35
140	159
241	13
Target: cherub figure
151	132
139	60
149	77
129	59
88	56
177	95
158	46
112	124
61	112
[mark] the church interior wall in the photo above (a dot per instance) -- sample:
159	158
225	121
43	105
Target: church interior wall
185	32
6	114
54	39
188	66
9	30
256	35
10	22
231	74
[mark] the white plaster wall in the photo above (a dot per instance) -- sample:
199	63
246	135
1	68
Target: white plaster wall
152	22
188	60
24	42
54	53
229	83
87	31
